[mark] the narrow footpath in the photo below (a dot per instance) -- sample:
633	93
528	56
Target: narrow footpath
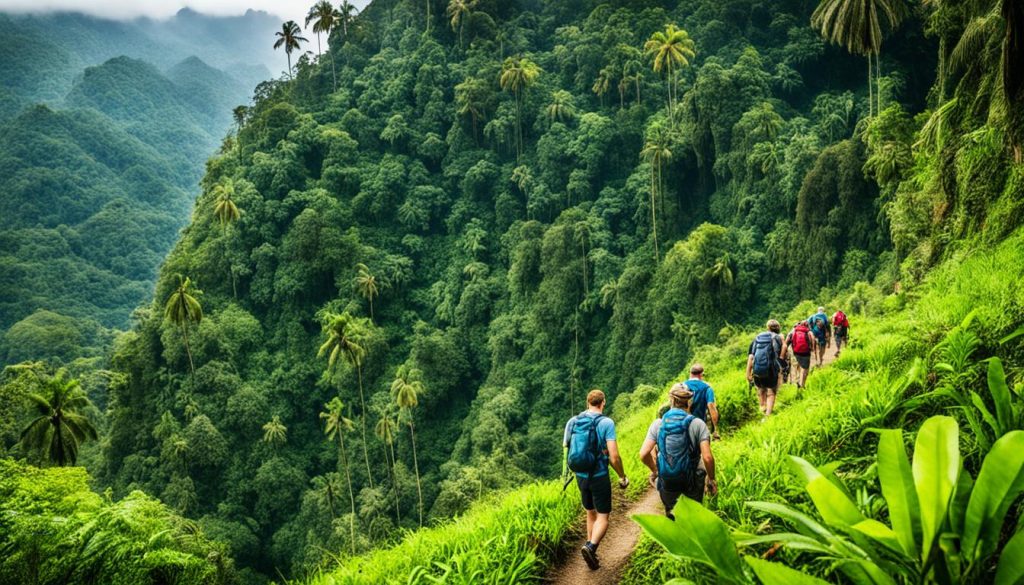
623	534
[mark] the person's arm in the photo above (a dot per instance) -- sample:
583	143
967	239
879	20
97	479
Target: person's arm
616	462
750	368
647	456
709	466
785	349
713	409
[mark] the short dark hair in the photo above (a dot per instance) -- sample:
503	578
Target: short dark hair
696	369
595	397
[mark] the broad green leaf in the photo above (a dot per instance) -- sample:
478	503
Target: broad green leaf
999	482
697	534
1010	570
807	525
835	508
881	534
985	414
790	540
936	466
770	573
804	470
898	489
1000	394
1012	336
961	496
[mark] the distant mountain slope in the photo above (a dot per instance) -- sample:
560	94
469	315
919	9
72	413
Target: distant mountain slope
96	185
42	54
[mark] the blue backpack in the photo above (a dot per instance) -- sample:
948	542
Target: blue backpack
584	448
677	456
699	402
766	356
819	323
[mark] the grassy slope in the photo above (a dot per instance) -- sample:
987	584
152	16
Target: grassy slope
512	537
860	391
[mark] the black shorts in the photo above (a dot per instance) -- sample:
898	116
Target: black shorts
695	491
596	493
803	360
769	382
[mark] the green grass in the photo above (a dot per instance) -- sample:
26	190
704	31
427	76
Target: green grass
867	387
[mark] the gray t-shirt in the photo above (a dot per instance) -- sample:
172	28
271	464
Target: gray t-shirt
699	432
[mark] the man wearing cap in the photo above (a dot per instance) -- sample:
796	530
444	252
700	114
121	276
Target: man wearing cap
694	439
595	485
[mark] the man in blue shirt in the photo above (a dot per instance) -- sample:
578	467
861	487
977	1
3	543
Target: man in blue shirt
702	405
595	485
822	330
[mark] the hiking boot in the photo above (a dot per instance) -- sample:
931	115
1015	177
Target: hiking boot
590	556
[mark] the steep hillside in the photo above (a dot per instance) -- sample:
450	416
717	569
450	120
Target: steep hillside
93	198
484	221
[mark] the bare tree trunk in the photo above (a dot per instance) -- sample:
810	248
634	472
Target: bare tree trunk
351	497
416	467
362	419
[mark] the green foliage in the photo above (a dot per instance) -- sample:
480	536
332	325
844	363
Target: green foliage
53	529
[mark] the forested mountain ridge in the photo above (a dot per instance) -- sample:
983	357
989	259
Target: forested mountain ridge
98	181
473	225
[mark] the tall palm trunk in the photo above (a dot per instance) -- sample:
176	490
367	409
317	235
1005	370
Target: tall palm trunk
654	218
188	350
351	496
871	91
416	467
334	74
289	55
362	423
394	478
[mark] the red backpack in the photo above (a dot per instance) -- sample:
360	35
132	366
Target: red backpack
840	320
801	340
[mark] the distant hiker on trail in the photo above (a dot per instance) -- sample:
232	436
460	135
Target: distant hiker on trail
684	458
802	344
763	366
590	447
822	330
703	402
840	330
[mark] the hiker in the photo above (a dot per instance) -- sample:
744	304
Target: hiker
763	366
590	448
822	330
840	330
684	460
801	344
703	402
776	330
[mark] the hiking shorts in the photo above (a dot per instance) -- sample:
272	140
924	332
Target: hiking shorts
803	360
769	382
596	493
695	492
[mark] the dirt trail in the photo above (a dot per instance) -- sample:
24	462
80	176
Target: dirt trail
623	534
615	549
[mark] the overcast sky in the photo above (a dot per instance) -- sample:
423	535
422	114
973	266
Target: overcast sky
126	9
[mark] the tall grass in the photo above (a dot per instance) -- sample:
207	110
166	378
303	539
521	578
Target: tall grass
881	380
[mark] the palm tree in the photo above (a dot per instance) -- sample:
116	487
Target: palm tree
860	26
345	334
670	50
603	83
459	12
346	14
329	484
561	108
227	213
366	284
59	427
336	425
240	114
182	309
517	75
385	431
274	432
288	37
720	274
324	17
656	152
471	100
406	389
